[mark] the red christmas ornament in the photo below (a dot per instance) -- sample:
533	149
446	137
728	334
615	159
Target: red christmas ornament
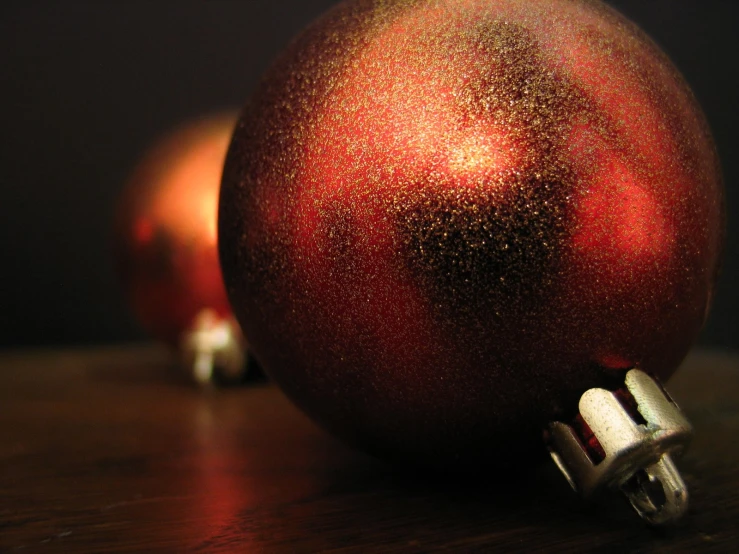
441	223
167	253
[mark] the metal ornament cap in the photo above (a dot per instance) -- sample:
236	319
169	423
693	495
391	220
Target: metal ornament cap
213	349
637	454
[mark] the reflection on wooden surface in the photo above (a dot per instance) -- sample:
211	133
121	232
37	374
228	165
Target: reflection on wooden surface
110	451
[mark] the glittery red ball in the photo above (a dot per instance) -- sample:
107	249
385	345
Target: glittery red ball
441	222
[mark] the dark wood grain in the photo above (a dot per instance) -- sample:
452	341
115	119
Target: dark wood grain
109	451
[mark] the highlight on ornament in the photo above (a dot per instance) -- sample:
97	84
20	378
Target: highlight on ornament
451	228
166	250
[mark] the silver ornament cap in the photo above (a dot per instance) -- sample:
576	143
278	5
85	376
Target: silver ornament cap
638	430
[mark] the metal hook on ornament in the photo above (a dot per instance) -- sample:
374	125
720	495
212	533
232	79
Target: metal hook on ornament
658	492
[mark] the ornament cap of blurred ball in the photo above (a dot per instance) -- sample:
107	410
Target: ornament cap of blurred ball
167	254
441	223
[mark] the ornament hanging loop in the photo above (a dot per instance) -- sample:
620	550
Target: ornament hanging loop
658	492
625	440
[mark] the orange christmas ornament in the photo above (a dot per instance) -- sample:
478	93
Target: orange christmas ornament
167	249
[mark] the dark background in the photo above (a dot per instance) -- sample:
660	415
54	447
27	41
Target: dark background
86	86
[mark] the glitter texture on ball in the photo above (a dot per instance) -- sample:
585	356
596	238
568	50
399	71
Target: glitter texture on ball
442	222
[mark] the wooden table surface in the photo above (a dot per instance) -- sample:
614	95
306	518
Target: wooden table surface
108	450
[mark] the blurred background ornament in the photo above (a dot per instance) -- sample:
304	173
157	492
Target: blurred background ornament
442	224
166	250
